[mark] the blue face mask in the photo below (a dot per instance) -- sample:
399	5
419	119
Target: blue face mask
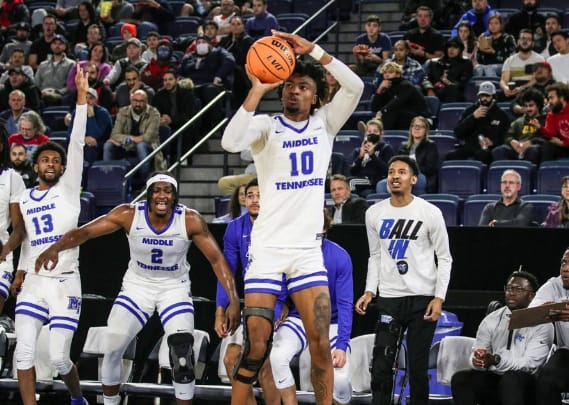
163	53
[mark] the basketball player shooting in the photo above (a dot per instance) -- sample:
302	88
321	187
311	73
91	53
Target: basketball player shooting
291	151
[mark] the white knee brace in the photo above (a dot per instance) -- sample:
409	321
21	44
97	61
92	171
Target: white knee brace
115	345
59	348
280	364
342	388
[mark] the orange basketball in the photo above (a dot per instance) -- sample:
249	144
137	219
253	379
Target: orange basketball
271	59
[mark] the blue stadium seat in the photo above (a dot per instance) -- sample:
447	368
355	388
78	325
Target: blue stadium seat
473	207
221	205
549	176
462	177
507	12
105	181
53	117
523	167
59	137
448	204
111	42
395	36
115	30
394	139
376	197
541	203
277	7
566	18
291	22
445	143
311	7
365	99
345	144
87	207
352	121
144	27
448	117
183	26
176	6
434	105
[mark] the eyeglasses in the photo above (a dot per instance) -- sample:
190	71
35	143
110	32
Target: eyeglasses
509	182
419	126
515	290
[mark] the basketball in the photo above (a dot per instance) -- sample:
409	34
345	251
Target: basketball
271	59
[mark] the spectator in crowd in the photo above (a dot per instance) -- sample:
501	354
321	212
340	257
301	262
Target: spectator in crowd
425	41
177	104
152	39
528	18
11	116
104	93
556	128
158	12
87	17
371	48
128	32
99	127
222	16
477	16
411	69
423	150
135	134
552	24
51	76
494	49
199	8
262	22
470	45
40	48
560	61
21	163
508	211
67	9
20	41
16	62
238	43
228	184
153	73
236	206
541	78
82	50
331	88
396	101
370	163
98	56
558	213
121	10
552	378
133	58
12	12
523	140
210	30
518	68
131	84
409	18
346	209
505	362
446	77
17	80
482	127
31	132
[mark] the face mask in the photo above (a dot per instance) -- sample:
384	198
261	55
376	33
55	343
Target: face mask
557	107
529	7
202	49
163	53
373	138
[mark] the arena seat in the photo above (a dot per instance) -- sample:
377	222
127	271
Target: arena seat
445	143
105	181
183	25
448	117
395	138
473	207
448	204
462	177
549	176
541	203
345	144
523	167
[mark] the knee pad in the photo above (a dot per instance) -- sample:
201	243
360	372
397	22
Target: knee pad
59	348
388	334
342	389
182	357
62	364
244	360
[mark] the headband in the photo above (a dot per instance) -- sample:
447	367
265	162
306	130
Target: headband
161	177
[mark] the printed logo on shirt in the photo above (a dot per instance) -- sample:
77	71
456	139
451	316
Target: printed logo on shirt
399	233
74	304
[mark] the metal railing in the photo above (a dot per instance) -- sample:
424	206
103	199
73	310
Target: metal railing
311	18
170	139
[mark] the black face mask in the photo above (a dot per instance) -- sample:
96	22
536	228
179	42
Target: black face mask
529	7
373	138
556	108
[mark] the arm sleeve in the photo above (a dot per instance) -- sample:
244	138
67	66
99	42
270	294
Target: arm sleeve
536	352
466	127
114	73
372	278
439	239
231	253
337	111
344	300
74	167
483	336
486	215
243	130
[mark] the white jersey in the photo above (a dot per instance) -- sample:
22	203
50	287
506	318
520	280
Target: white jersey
553	291
292	159
158	256
49	214
559	69
11	187
403	242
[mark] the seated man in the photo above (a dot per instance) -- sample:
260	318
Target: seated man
290	337
482	127
556	128
509	211
553	378
17	60
10	117
346	210
411	69
505	361
132	82
371	48
522	140
51	76
22	164
136	133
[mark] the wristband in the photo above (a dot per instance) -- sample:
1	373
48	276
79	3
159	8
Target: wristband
317	52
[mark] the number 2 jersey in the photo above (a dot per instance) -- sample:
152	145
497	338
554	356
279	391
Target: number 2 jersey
158	255
292	159
49	214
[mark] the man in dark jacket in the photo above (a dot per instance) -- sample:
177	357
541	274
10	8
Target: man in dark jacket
346	209
528	18
482	127
18	80
397	101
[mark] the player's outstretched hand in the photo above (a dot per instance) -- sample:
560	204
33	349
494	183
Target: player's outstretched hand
47	259
301	46
233	315
81	80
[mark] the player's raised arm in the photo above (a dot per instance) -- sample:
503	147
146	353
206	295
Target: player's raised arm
119	217
199	232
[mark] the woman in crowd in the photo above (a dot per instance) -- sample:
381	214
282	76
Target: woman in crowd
558	213
97	55
495	49
468	39
236	206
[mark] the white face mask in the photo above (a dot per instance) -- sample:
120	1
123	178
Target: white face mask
202	49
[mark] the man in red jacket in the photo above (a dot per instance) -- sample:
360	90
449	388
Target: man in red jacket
556	128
